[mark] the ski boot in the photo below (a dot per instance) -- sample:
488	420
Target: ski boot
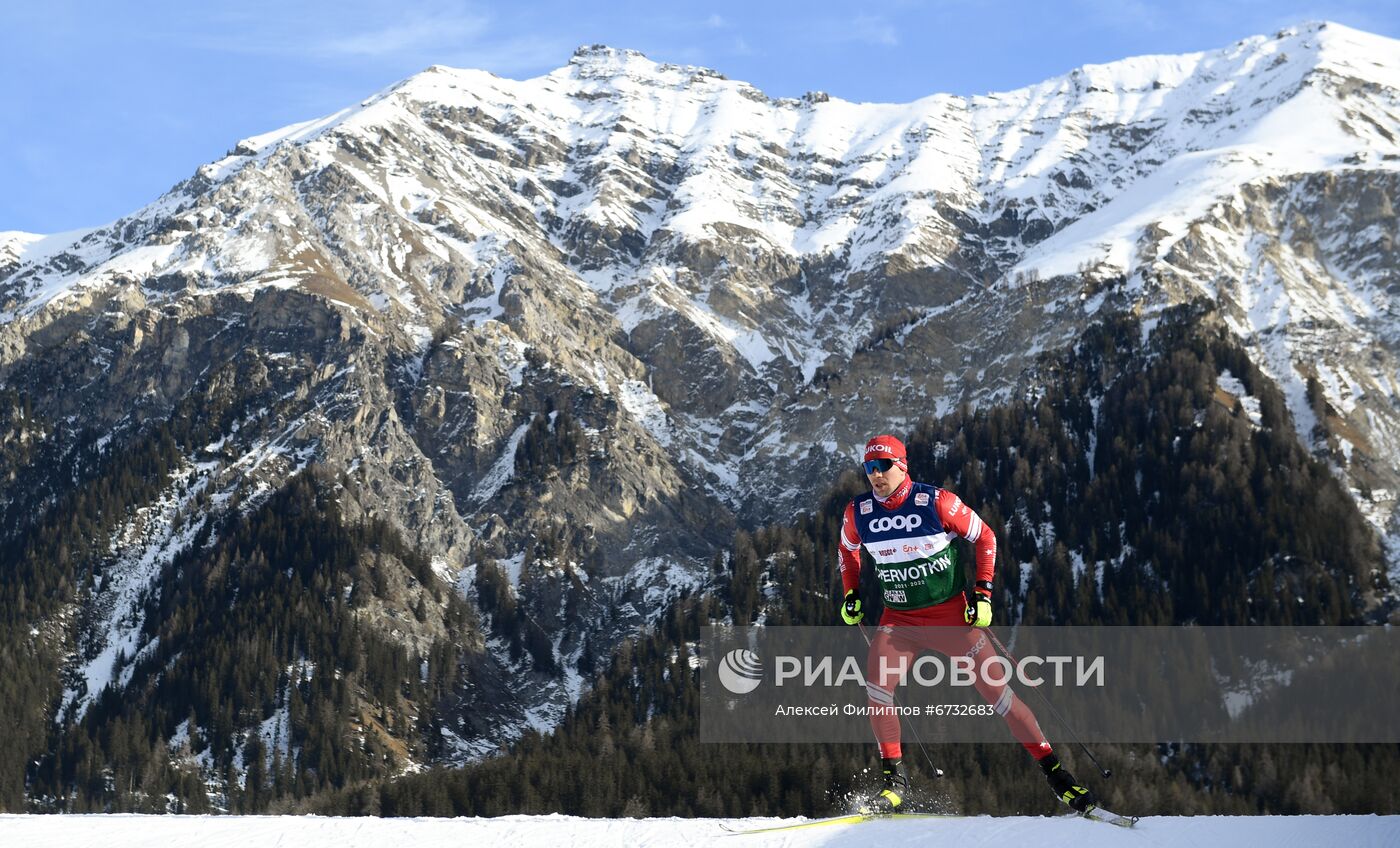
1079	798
894	785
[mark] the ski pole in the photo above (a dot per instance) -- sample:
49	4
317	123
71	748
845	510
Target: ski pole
934	770
1056	713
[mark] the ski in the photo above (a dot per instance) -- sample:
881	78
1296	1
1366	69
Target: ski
854	818
1098	814
851	819
1107	817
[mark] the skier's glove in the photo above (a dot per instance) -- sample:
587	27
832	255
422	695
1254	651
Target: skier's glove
851	611
979	614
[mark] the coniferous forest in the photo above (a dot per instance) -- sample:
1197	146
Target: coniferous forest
1125	487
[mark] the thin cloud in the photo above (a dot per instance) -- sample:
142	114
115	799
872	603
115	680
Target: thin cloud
870	30
419	32
874	30
415	36
1124	15
863	29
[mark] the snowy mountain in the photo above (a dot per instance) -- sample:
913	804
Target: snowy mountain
585	325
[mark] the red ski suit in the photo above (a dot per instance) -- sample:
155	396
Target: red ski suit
941	627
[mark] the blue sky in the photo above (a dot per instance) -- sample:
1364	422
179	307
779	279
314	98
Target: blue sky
107	107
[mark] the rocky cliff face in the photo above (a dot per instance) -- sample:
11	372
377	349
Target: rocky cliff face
587	324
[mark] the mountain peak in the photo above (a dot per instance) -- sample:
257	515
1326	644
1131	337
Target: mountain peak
596	52
1365	55
599	61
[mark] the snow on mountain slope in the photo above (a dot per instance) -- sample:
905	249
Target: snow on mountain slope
1262	108
129	831
620	162
111	643
14	244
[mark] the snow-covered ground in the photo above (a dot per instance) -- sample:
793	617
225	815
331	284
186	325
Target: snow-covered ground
314	832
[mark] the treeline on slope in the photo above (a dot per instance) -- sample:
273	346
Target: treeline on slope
1189	513
262	631
263	625
51	544
1126	458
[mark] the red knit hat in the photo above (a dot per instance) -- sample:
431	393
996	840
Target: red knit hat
887	447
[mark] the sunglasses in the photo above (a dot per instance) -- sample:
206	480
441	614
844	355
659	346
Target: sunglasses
881	465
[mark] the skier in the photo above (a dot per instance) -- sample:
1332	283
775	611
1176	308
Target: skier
908	528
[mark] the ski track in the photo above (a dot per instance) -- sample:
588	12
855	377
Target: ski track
129	831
